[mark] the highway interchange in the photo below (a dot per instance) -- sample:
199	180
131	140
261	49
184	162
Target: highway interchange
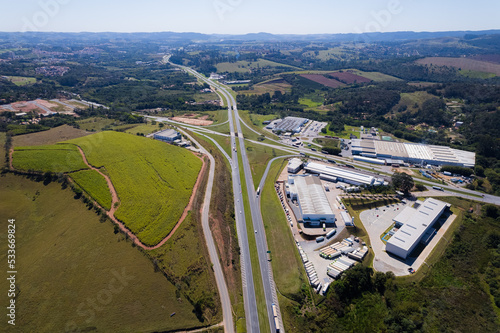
249	297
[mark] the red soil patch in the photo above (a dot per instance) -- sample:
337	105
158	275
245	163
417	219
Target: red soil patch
191	121
318	78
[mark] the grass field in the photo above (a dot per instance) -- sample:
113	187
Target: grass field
326	142
348	130
476	74
309	103
68	261
287	267
375	76
154	180
270	87
246	66
21	80
95	185
143	129
462	63
95	124
49	137
412	101
251	119
258	157
54	158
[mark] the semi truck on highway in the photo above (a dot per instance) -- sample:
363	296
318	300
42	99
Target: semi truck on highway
258	190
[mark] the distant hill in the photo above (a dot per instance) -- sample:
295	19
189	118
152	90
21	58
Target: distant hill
170	36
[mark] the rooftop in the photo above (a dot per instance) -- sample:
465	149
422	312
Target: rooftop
340	173
312	197
417	222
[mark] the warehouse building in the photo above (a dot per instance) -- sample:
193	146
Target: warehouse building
413	153
294	165
313	203
415	226
349	176
168	135
290	124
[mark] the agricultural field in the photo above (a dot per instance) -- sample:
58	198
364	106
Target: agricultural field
476	74
21	80
49	137
95	185
269	87
246	66
95	124
143	129
154	180
374	76
70	261
325	55
3	138
348	77
321	79
55	158
462	63
327	142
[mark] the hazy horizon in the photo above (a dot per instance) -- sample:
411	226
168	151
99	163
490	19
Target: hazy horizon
236	17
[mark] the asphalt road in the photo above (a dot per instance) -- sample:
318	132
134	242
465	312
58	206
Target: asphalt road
250	303
227	312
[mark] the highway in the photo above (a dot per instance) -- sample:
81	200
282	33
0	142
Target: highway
250	303
251	314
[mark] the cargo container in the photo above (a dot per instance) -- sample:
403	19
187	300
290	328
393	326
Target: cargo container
277	324
331	233
275	310
320	239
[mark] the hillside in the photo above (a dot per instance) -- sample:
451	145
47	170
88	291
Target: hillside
154	180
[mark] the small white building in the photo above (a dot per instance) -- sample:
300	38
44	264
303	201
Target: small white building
415	223
168	135
294	165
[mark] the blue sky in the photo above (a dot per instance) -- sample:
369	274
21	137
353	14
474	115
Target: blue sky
246	16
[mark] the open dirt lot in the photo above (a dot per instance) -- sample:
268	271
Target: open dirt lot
193	121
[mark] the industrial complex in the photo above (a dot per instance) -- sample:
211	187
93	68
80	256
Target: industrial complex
311	197
413	153
345	175
168	135
290	124
415	226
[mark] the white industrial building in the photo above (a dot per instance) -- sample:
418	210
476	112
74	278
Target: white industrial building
313	203
294	165
345	175
415	226
168	135
290	124
413	152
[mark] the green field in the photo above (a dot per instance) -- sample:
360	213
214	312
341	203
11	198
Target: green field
143	129
154	180
348	130
309	103
21	80
49	137
412	101
55	158
3	137
476	74
95	124
68	261
326	142
95	185
246	66
375	76
287	266
258	157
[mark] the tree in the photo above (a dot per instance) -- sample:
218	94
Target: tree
402	182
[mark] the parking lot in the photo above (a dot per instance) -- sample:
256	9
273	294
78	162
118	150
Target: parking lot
313	129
